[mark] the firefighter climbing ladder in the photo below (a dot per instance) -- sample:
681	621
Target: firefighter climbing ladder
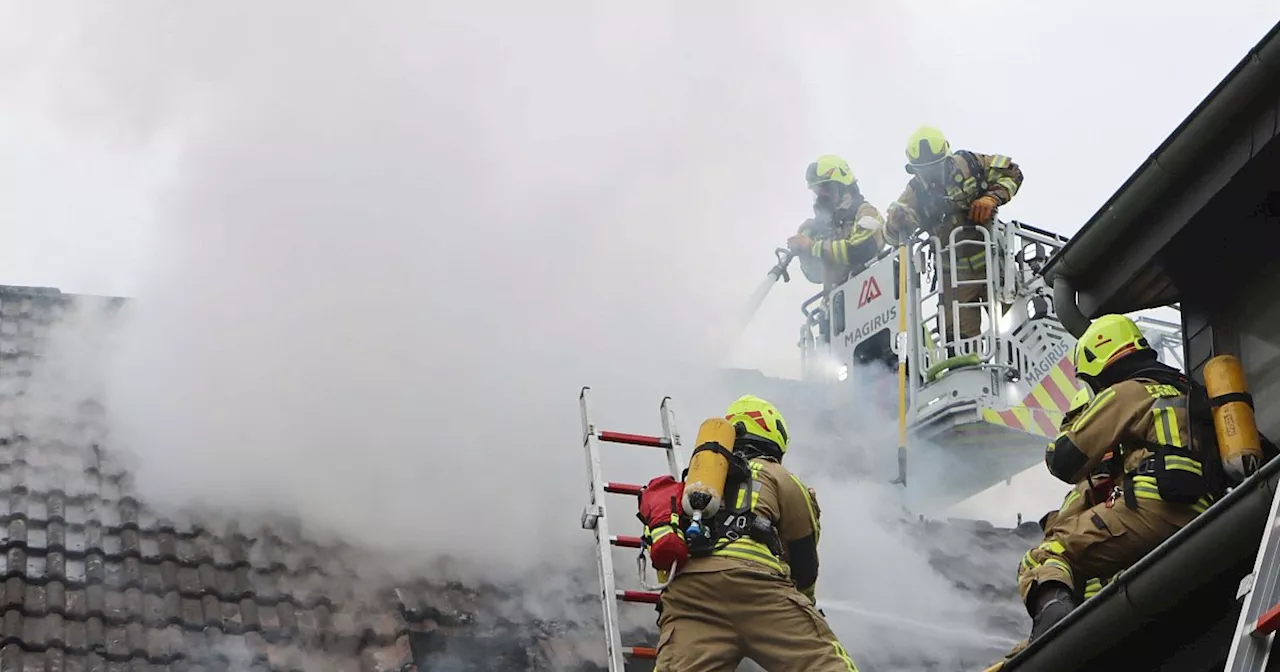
1260	614
594	518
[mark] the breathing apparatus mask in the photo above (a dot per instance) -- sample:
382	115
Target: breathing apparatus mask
832	201
933	175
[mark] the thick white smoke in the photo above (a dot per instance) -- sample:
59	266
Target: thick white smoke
396	241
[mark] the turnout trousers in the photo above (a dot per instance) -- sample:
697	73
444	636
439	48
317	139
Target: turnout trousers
1099	542
710	621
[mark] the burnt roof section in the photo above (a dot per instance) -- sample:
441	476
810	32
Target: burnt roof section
979	561
93	579
1114	261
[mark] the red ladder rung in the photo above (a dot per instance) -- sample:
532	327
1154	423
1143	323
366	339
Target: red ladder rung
624	489
641	652
1268	622
626	541
639	596
636	439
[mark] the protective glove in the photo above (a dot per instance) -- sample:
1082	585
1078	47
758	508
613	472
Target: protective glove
898	225
800	243
980	210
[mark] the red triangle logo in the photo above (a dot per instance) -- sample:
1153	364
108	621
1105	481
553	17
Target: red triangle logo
870	292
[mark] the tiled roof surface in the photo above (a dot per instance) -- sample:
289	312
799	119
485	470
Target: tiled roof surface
92	579
982	560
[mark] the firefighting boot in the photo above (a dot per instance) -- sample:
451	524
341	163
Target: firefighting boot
1053	601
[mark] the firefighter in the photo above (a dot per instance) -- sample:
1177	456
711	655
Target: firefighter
950	190
843	234
752	595
1093	490
1139	416
1081	496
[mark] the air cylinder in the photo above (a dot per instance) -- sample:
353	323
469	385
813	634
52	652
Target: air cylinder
708	469
1238	440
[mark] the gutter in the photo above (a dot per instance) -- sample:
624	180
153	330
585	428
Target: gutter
1175	159
1227	532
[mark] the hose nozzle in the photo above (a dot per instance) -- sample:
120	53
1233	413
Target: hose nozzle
784	256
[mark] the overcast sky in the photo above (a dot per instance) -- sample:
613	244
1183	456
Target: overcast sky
659	152
1077	93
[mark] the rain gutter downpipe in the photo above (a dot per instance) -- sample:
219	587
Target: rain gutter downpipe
1064	303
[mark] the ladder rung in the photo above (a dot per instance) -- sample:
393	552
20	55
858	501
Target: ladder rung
625	541
624	489
639	596
1268	622
636	439
641	652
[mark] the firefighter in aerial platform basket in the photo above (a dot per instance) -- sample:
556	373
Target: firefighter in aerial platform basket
843	234
1166	465
950	190
743	585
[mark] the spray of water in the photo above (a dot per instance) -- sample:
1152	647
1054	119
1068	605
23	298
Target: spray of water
965	635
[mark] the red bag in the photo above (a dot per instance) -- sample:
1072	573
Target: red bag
1101	482
660	511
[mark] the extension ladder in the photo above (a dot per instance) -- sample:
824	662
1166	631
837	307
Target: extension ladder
1260	615
594	518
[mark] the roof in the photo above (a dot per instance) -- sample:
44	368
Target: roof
966	621
95	579
1112	260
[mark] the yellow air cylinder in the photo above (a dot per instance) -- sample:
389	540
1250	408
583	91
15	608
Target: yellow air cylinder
708	468
1238	440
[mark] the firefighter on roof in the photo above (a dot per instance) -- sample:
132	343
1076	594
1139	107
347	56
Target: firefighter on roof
1080	497
949	190
749	591
1162	467
842	235
1093	490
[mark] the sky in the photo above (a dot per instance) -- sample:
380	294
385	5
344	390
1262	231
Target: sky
376	254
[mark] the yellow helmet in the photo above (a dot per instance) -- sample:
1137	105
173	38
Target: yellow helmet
759	418
829	168
926	147
1109	338
1078	403
1082	399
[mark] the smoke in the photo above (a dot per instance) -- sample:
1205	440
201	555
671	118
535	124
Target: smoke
394	244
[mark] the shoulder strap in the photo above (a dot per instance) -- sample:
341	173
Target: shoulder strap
976	170
1204	436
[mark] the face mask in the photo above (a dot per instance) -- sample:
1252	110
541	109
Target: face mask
826	197
932	175
829	199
